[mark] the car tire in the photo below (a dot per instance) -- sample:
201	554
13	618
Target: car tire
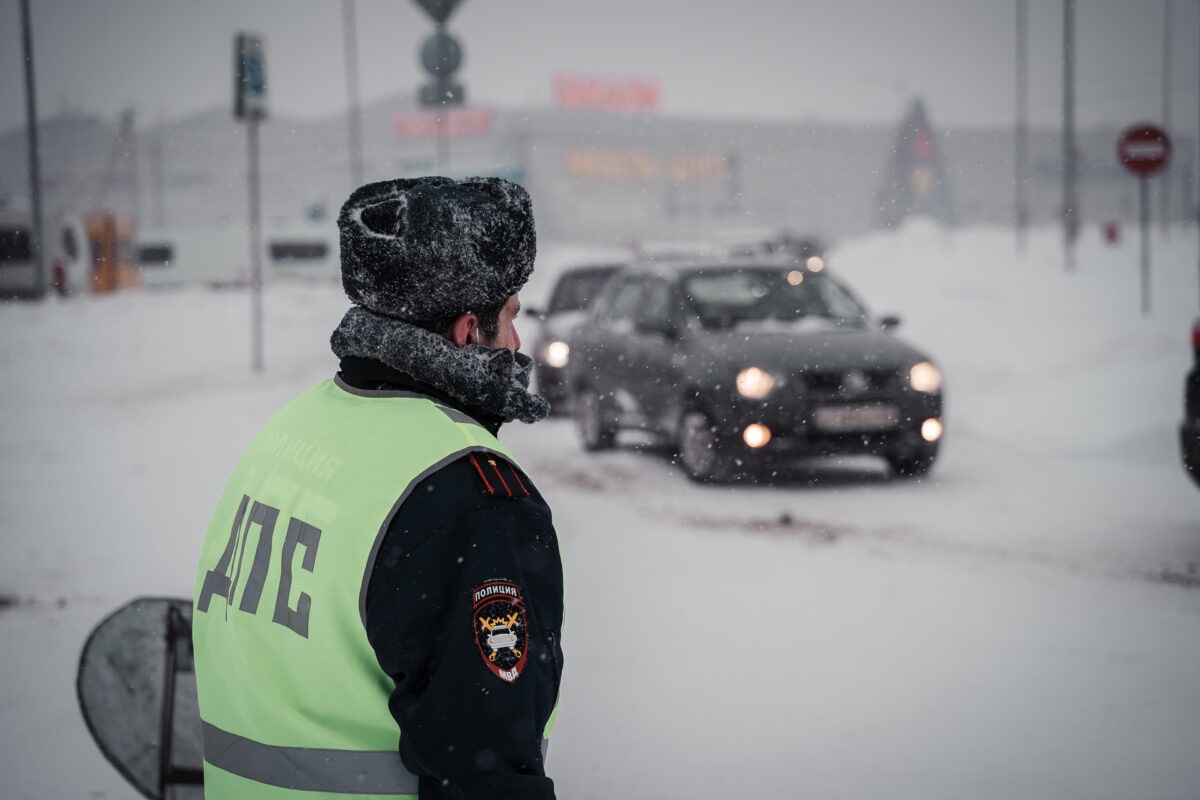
594	421
912	465
700	452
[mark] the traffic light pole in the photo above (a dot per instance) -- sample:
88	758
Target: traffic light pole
35	176
256	276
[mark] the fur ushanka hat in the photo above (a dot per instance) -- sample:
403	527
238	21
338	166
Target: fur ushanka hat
427	249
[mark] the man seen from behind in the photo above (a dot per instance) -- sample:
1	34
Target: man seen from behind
379	600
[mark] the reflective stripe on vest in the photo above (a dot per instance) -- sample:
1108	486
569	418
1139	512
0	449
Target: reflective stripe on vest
308	769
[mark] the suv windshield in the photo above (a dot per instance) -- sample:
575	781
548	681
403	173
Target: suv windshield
770	297
576	289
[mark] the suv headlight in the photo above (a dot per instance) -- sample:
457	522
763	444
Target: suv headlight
925	377
556	353
755	383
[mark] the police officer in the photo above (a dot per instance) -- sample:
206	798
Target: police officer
378	604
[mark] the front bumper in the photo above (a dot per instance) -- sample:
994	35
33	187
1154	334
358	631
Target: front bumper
796	433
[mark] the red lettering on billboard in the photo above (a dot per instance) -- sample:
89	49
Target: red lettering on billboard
458	123
598	94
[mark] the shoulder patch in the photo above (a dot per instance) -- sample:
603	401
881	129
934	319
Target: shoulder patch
498	476
501	632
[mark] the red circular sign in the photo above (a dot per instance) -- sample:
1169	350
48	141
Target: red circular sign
1144	149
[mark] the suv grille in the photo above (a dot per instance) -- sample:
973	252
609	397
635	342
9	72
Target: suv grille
848	383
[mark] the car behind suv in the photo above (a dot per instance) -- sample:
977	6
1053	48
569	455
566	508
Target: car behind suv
743	364
1189	430
573	292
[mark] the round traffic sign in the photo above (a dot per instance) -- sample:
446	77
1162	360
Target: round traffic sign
441	54
1144	149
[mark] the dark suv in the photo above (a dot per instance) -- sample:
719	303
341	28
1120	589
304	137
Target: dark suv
744	364
1189	430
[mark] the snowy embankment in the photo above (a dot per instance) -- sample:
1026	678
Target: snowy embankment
1022	623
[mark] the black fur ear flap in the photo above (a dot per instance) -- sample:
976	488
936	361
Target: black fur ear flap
384	218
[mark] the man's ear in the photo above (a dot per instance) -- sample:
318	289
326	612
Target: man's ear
464	330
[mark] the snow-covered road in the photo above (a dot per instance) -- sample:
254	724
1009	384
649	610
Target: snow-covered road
1024	622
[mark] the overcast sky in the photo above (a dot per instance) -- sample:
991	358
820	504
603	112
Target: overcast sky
843	60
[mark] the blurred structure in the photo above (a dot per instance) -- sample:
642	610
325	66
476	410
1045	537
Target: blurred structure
597	174
915	182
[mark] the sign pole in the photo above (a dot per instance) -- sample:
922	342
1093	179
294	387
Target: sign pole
441	55
442	118
1144	150
1144	201
443	141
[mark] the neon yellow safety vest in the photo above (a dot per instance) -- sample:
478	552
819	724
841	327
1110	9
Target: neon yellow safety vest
292	698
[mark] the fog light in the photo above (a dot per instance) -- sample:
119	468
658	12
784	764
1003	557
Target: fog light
756	435
931	430
557	354
815	263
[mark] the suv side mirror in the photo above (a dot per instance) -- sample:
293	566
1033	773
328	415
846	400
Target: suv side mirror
888	322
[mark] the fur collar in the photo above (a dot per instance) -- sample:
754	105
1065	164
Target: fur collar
495	381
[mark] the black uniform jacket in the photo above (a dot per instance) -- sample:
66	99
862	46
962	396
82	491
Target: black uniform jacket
464	609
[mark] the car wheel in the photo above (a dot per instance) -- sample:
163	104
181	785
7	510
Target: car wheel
912	465
595	423
700	450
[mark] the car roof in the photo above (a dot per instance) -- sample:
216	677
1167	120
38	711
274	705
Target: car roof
673	268
592	268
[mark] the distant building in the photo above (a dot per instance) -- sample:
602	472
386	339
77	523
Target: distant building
596	174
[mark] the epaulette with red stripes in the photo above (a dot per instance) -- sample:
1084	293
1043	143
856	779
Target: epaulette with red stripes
499	477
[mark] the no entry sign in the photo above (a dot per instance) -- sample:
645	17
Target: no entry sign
1144	149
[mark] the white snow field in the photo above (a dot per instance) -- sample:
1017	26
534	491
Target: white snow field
1022	623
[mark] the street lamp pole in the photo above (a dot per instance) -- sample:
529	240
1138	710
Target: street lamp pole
1021	212
1070	201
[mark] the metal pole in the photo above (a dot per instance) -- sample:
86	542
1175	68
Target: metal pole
256	277
134	174
354	111
1070	211
1144	199
1022	130
442	82
35	172
443	143
1164	191
158	180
